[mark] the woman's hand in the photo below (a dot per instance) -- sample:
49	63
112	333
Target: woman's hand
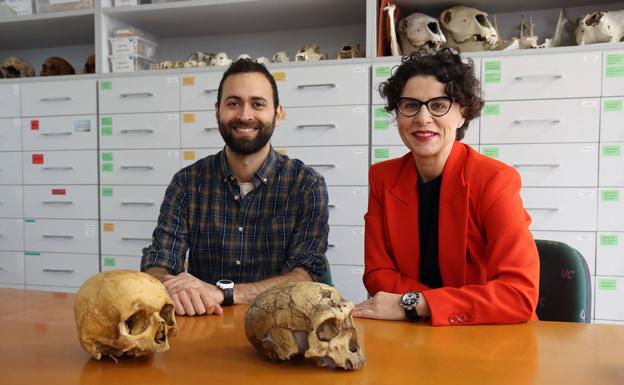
382	306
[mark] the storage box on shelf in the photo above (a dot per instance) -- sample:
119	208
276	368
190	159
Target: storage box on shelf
44	6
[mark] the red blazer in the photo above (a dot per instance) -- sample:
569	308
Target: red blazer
488	258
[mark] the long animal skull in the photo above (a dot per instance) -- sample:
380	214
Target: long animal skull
419	30
280	57
310	53
304	318
600	27
469	29
349	51
221	59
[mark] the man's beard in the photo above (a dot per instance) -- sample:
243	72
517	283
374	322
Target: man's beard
246	146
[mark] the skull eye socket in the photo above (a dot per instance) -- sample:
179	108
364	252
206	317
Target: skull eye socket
327	330
166	313
137	323
433	27
482	20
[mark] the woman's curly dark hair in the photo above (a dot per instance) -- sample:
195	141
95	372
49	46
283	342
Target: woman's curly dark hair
448	68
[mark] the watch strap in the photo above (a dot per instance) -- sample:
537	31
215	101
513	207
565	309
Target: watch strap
228	297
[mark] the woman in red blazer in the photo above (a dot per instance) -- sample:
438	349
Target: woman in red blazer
447	236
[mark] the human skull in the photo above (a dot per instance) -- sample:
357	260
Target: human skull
124	312
600	27
14	67
221	59
468	28
280	57
304	318
349	51
418	31
55	66
310	53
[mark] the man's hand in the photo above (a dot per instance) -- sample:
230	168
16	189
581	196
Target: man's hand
192	296
382	306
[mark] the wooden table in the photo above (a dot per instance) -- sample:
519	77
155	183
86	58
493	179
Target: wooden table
39	345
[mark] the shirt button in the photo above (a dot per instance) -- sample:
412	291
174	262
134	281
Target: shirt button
235	197
232	177
240	229
237	262
264	180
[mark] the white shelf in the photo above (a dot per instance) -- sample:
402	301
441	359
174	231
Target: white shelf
54	29
435	7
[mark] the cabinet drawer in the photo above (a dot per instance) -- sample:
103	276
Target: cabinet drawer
60	133
11	201
318	126
67	167
611	129
190	156
139	94
126	237
12	267
323	85
612	81
610	254
347	205
611	209
551	76
338	165
140	131
609	298
66	97
142	167
551	165
10	168
10	134
9	100
200	129
584	242
61	235
60	269
199	92
348	281
611	172
11	234
65	201
543	121
135	203
120	263
346	245
566	209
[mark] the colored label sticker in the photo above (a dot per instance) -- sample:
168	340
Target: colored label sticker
29	221
188	81
492	152
106	85
381	112
382	153
109	261
382	124
107	156
106	131
281	151
59	191
607	284
615	72
107	167
611	150
491	109
34	125
610	195
493	65
108	227
492	77
107	121
107	191
188	118
382	72
279	76
609	239
188	155
612	105
614	59
37	158
32	253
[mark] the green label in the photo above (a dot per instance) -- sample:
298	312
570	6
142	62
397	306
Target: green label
382	72
106	131
610	196
609	240
612	105
492	152
382	153
493	65
615	72
611	150
107	167
382	124
492	77
106	85
615	59
107	121
32	253
107	191
491	109
107	156
607	284
381	112
29	221
109	261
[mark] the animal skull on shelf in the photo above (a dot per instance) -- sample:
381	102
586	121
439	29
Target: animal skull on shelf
349	51
243	56
121	312
419	31
469	29
308	319
262	60
14	67
310	53
280	57
201	59
600	27
55	66
89	66
221	59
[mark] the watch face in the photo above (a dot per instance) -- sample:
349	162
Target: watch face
225	284
409	298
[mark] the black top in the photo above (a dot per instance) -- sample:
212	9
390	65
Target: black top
428	214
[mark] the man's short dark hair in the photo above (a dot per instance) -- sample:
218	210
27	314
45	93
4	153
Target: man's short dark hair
448	68
243	66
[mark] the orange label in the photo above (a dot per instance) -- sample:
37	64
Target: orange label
279	76
109	227
281	151
188	80
188	118
189	155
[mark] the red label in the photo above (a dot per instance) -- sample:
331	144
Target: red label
34	125
58	191
37	158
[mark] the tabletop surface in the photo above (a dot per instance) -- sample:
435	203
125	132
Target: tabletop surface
40	346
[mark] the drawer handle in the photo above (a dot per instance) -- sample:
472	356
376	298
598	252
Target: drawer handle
331	245
137	94
331	206
59	236
138	167
326	85
57	99
330	125
137	131
553	209
136	239
210	91
210	128
322	165
1	235
48	270
58	202
552	165
62	168
525	77
127	203
534	121
64	133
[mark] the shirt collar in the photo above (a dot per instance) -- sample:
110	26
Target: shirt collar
264	173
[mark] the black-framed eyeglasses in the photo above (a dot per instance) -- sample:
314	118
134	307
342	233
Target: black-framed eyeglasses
438	106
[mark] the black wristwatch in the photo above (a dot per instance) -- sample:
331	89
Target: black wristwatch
408	302
228	291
